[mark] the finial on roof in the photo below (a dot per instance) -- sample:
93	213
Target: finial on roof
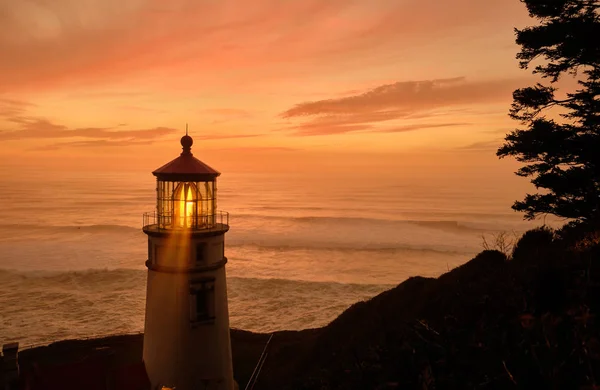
187	142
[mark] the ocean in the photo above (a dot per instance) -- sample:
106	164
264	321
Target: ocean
301	248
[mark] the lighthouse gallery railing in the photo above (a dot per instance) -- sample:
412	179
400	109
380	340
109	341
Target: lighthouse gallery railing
215	221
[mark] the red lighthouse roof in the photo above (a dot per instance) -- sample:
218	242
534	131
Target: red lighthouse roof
186	167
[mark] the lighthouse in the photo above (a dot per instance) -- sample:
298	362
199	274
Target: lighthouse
186	332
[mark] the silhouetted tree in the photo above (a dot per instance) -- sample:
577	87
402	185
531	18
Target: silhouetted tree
560	149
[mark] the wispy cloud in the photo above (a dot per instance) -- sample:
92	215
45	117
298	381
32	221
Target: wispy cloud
40	128
19	124
22	125
49	43
422	126
102	138
402	100
102	95
259	149
13	108
482	146
91	144
209	137
328	129
320	129
408	97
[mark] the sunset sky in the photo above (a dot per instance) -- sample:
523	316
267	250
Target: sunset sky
263	84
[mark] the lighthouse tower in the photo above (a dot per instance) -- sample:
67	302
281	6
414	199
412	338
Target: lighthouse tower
186	333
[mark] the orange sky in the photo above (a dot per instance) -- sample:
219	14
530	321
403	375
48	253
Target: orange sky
263	84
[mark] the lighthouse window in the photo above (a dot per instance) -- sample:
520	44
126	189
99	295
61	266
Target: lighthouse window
203	300
202	305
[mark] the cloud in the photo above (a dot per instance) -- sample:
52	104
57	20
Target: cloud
63	41
25	126
102	95
209	137
47	43
259	149
102	137
90	144
421	126
408	97
12	108
329	129
40	128
401	100
332	129
483	145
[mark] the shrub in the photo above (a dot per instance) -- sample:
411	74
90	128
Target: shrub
534	243
501	242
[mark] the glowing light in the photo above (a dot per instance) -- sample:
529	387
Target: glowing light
186	206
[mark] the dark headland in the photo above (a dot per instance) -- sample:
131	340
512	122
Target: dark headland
525	320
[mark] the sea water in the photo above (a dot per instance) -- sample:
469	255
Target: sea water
301	248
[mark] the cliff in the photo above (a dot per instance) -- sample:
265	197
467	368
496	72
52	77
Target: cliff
522	321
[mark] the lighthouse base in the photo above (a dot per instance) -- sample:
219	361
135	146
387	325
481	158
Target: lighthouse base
187	338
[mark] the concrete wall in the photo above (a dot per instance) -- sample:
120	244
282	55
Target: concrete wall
177	350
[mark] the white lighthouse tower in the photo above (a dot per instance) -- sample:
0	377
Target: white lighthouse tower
186	335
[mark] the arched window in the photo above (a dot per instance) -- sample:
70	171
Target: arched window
185	205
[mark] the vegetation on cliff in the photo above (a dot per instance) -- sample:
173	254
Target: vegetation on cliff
522	321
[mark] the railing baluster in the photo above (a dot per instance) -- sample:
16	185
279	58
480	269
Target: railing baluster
201	222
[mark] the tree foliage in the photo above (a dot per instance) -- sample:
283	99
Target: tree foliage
560	145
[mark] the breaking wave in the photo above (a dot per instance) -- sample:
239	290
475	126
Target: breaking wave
391	223
69	228
43	306
317	220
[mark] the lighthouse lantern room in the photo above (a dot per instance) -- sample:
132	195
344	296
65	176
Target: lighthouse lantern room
186	332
